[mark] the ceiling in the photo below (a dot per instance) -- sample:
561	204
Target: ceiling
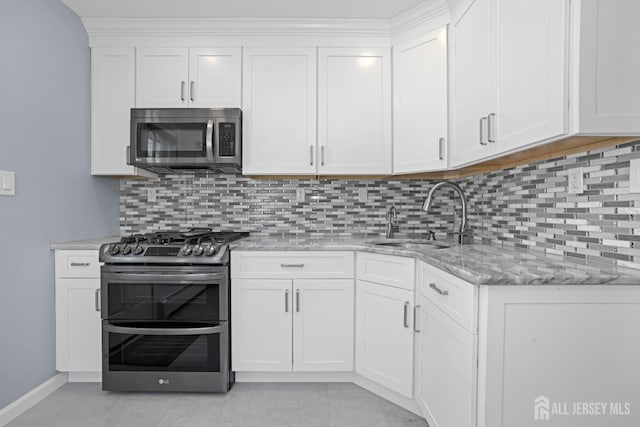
366	9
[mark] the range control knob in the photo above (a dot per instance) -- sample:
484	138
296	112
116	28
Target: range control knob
126	250
198	250
186	250
114	249
138	250
210	250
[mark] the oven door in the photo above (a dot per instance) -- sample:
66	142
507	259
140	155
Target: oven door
169	294
143	356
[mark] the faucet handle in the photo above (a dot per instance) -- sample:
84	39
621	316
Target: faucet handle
431	235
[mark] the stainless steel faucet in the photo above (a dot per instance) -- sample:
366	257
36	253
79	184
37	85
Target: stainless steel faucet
464	232
392	215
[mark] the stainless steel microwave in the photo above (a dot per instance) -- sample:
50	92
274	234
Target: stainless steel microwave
170	140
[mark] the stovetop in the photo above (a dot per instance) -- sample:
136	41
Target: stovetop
195	246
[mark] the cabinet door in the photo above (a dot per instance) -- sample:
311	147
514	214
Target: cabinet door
529	75
162	77
215	77
384	336
354	111
471	85
112	97
323	325
609	59
420	103
78	326
446	369
261	329
279	111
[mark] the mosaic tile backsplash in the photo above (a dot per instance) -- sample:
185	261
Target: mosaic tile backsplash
526	207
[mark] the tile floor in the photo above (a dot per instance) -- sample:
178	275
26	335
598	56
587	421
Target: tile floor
246	405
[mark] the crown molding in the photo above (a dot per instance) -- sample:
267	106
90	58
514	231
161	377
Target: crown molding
418	15
176	27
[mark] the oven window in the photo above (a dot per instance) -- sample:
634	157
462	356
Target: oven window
162	301
159	140
161	353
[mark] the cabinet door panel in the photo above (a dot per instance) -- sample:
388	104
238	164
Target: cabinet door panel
261	330
323	325
78	326
215	77
446	369
384	343
162	77
354	111
279	111
420	103
529	79
471	86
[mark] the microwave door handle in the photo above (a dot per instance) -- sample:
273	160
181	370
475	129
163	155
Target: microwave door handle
209	140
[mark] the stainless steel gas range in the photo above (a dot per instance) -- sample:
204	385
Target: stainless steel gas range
165	312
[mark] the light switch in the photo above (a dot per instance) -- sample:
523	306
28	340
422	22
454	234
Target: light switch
300	195
151	195
7	183
634	176
363	195
576	181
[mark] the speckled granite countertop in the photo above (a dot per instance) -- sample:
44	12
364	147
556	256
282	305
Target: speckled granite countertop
88	244
480	264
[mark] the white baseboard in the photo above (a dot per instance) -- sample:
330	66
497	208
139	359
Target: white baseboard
84	377
19	406
375	388
294	377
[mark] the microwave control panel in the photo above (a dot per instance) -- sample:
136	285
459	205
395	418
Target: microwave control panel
227	139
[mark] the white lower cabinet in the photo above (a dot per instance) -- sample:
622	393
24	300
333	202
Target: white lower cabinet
445	368
77	305
384	335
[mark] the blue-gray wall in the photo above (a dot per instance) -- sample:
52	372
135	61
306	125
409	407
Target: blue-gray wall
45	139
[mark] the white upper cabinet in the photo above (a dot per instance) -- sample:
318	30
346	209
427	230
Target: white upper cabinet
471	84
420	103
279	111
529	86
609	60
354	111
183	77
510	85
112	96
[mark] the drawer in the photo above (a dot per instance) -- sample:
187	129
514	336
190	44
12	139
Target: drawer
395	271
292	264
78	263
455	297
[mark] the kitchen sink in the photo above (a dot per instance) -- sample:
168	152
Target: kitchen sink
411	244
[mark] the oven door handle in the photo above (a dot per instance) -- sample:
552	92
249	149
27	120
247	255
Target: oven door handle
179	278
207	330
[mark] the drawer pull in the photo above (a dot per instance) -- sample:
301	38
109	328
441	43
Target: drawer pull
298	300
415	319
291	265
80	264
406	314
97	299
286	300
438	290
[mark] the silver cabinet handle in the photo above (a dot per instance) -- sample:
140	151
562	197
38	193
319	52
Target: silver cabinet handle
406	314
97	299
286	300
291	265
438	290
182	85
311	147
80	264
207	330
192	91
322	155
482	141
415	319
127	154
298	300
441	148
491	118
